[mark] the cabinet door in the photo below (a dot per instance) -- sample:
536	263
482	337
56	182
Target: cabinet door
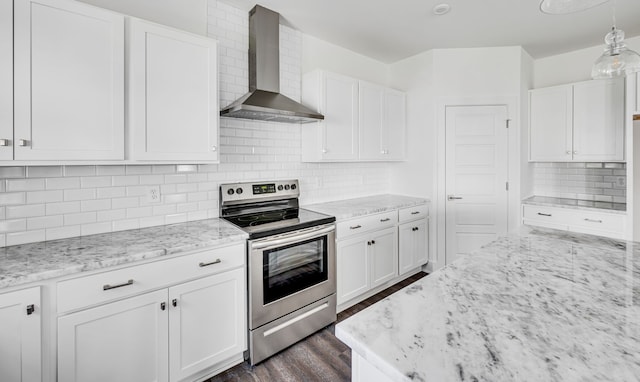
6	79
173	101
393	137
384	256
339	99
406	247
123	341
598	120
421	237
550	124
69	81
352	269
20	340
371	110
207	325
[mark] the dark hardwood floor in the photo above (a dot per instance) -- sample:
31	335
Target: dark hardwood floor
319	357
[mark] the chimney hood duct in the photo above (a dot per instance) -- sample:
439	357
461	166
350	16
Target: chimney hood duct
264	101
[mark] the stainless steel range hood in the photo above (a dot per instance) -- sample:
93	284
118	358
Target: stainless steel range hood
264	101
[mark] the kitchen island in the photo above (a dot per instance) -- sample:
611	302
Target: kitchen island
540	305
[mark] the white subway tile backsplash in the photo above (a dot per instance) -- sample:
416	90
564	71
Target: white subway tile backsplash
186	168
110	170
34	197
44	222
128	202
13	225
111	192
62	232
12	198
44	171
81	194
126	180
80	170
95	181
94	228
25	184
151	179
95	205
111	215
138	170
63	183
80	218
25	211
17	238
12	172
62	208
121	225
163	169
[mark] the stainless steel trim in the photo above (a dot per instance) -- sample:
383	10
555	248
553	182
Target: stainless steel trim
292	237
108	286
296	319
216	261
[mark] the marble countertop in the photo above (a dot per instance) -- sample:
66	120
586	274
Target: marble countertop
351	208
543	305
620	208
21	264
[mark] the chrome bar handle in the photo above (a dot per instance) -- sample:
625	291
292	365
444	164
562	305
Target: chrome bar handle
293	237
452	197
592	220
355	226
417	212
384	220
108	286
541	214
216	261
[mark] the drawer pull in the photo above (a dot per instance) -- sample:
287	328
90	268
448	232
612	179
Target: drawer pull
541	214
417	212
384	220
355	226
216	261
592	220
30	309
107	286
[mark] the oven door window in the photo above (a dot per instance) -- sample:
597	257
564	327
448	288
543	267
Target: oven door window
287	270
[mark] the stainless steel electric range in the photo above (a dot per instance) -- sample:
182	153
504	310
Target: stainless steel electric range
291	263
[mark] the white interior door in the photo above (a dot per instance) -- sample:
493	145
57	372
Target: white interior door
476	177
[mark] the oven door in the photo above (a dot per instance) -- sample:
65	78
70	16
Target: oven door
290	271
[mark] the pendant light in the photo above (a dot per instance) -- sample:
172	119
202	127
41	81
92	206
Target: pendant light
617	60
563	7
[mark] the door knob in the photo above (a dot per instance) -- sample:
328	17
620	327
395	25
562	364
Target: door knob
452	197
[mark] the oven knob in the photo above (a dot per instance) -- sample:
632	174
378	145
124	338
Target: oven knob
280	188
230	191
286	186
238	190
293	187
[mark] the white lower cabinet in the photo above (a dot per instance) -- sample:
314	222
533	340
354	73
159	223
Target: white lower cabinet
600	223
185	331
122	341
384	256
20	336
412	243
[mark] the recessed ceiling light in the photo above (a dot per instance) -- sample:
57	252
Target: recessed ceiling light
563	7
441	9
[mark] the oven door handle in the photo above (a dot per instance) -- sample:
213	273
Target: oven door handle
293	238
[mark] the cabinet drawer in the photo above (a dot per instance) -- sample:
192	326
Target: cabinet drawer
599	221
547	214
365	224
110	285
412	213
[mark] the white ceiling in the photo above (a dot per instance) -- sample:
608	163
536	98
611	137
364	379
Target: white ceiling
390	30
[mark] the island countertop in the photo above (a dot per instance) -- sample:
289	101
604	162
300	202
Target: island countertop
21	264
542	305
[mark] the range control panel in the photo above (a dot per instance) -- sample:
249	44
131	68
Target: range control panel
255	191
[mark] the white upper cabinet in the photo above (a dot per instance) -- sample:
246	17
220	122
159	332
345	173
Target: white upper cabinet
173	94
336	137
598	121
69	81
550	124
363	121
6	79
582	122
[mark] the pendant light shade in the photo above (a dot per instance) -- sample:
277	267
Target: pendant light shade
617	60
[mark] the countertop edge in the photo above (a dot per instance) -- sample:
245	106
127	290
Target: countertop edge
528	201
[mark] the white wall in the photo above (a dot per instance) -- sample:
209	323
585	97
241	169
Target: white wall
189	15
319	54
572	66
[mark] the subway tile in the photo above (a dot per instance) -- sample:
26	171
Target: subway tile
12	172
95	228
44	222
128	202
176	178
80	170
137	190
111	192
44	171
80	218
25	211
62	208
614	165
110	170
63	183
138	169
186	168
81	194
3	213
163	169
619	199
95	181
151	221
3	240
151	179
50	196
174	198
593	165
197	196
12	198
603	198
197	215
62	232
110	215
17	238
126	180
186	187
121	225
176	218
95	205
139	212
25	185
187	207
13	225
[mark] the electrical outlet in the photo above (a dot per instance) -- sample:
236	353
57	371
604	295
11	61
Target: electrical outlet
153	194
621	181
